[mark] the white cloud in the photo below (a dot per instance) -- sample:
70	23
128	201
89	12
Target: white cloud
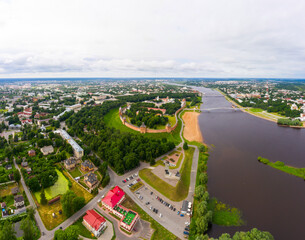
212	38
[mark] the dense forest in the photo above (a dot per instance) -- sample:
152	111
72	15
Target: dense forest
171	108
122	151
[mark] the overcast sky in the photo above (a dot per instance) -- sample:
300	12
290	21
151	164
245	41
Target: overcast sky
152	38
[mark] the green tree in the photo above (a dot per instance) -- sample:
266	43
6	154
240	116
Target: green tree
7	231
31	212
105	181
43	199
17	175
202	148
199	191
34	184
203	178
185	146
67	203
27	225
78	203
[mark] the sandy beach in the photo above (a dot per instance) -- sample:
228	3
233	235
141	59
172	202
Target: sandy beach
191	130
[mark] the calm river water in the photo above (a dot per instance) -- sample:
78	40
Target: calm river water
269	199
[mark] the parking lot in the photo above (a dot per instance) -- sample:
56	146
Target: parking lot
162	209
165	209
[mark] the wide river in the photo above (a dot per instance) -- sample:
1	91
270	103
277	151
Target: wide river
269	199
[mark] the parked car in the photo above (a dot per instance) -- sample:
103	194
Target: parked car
187	228
178	212
138	179
186	233
147	203
160	215
181	215
187	223
151	193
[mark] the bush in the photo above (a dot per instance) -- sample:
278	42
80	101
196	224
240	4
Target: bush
263	160
185	146
279	164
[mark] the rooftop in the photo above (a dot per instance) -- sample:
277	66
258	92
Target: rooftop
94	219
113	196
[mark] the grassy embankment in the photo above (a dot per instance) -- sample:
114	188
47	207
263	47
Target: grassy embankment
181	190
160	232
298	172
112	119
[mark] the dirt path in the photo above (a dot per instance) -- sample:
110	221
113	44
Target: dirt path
191	131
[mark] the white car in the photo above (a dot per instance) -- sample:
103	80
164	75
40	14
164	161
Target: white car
161	215
187	223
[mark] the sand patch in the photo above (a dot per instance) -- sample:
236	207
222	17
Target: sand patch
191	131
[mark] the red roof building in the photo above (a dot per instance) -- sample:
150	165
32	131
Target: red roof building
94	222
113	197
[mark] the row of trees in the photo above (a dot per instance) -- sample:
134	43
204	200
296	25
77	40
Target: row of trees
71	203
171	108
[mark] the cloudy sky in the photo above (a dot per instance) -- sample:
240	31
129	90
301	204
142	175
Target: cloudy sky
152	38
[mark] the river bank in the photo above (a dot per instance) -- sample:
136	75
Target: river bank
260	114
191	131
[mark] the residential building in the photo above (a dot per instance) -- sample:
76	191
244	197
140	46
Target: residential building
94	222
46	150
78	151
91	180
15	190
70	163
32	153
87	166
18	201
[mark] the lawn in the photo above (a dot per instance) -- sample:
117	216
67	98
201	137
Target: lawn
160	232
171	120
75	172
82	230
112	119
45	212
5	189
78	190
60	187
256	110
179	192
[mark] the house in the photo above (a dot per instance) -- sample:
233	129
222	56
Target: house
18	201
70	163
32	153
26	121
11	176
91	180
46	150
24	164
28	170
94	222
15	190
184	207
87	166
8	167
3	205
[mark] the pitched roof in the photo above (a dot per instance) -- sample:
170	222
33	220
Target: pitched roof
18	198
94	219
113	196
91	178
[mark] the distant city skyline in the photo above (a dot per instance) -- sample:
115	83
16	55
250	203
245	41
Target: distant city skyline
205	39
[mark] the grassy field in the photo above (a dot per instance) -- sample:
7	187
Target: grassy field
82	230
256	110
112	119
298	172
75	172
179	192
5	189
45	212
160	232
60	187
78	190
223	214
